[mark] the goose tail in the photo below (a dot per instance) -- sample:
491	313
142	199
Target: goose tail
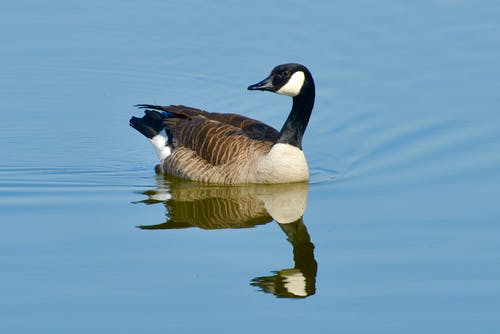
151	125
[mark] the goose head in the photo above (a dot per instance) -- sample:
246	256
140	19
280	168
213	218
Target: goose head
296	81
288	79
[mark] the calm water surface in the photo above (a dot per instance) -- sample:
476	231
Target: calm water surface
396	232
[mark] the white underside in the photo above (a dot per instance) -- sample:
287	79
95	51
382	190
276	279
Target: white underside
161	196
160	144
283	164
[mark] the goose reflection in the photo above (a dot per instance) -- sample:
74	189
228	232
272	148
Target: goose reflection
299	281
190	204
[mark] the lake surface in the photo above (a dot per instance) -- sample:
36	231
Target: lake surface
397	232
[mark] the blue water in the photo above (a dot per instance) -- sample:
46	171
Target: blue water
400	233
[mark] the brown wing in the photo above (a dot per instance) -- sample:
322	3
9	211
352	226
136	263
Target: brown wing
216	138
249	127
212	141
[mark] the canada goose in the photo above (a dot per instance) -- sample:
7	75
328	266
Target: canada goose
230	148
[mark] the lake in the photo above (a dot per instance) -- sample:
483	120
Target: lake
397	231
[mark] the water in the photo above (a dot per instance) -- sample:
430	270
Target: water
399	232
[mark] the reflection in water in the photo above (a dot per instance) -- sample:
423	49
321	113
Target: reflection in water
211	207
297	282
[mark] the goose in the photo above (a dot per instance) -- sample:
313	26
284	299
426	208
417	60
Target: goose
210	147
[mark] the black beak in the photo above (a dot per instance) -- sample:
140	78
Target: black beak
265	84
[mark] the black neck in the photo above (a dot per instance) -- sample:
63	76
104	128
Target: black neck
296	123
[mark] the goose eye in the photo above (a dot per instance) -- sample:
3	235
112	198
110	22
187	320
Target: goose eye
286	74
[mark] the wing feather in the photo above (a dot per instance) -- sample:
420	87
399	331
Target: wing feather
215	137
250	127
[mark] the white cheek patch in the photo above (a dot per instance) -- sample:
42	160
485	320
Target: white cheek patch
296	284
294	84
